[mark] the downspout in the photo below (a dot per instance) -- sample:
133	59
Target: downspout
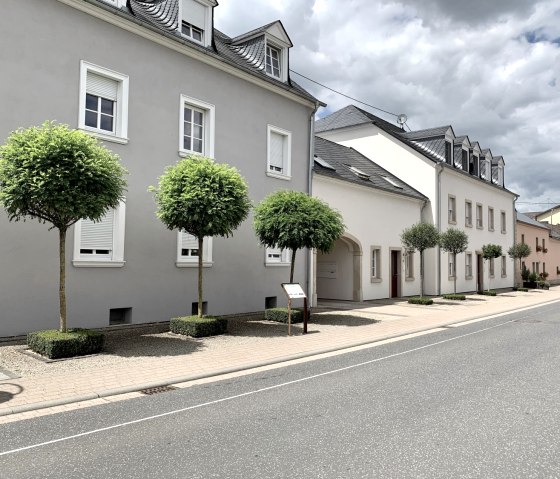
309	256
439	170
514	222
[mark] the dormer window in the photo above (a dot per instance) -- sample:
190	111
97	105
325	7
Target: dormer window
197	34
273	61
464	160
448	152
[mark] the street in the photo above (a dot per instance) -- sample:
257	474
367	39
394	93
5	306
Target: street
479	400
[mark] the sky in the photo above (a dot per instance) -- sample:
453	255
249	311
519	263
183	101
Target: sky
489	68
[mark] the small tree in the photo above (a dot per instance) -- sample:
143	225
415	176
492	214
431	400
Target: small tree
204	199
454	241
420	237
58	176
293	220
519	251
490	252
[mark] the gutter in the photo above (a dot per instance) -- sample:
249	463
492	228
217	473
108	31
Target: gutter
439	171
309	257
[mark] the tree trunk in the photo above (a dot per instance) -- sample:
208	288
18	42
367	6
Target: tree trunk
62	278
200	266
422	273
292	266
455	273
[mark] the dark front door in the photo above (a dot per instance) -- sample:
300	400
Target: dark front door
395	263
479	273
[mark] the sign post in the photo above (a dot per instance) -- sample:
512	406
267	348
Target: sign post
295	291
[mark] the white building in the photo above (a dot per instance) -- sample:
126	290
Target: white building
464	185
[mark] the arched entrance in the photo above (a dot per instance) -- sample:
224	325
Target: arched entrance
339	273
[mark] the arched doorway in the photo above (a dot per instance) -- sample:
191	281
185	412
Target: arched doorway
339	273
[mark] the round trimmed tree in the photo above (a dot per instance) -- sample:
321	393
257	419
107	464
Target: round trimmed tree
202	198
420	237
454	241
519	251
294	220
59	176
490	252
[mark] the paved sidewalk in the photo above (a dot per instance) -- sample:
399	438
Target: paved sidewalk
336	326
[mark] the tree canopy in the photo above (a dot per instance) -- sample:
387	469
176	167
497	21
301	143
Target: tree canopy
294	220
59	176
202	198
420	237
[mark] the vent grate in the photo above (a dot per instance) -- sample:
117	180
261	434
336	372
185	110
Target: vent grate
157	390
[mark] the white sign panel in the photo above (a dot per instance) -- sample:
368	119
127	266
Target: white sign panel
293	290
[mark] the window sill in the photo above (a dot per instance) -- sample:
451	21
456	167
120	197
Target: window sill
468	225
186	153
409	279
105	136
277	265
504	275
468	277
491	230
504	232
193	264
451	278
480	227
278	175
375	280
97	264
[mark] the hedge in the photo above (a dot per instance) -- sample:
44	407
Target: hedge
522	290
198	327
455	297
421	300
75	342
488	293
280	315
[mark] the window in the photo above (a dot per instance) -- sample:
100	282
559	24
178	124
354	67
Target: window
187	251
479	222
452	218
500	175
279	146
451	264
490	219
103	106
196	127
277	257
522	239
375	264
468	213
491	267
543	246
503	222
465	160
537	245
197	34
409	264
468	266
101	243
448	153
273	61
504	267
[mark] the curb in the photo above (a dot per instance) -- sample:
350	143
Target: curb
219	372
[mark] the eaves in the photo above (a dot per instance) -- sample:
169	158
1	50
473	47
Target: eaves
131	24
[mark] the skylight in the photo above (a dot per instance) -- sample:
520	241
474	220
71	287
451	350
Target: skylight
359	173
389	180
323	163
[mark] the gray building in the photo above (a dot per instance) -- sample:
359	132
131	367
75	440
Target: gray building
155	82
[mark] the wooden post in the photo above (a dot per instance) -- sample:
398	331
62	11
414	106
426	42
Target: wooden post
305	315
290	317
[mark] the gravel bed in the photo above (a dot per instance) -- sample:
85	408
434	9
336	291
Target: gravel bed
133	345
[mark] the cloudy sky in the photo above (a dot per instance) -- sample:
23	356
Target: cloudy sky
490	68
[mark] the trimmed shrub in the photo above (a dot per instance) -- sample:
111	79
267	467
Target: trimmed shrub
522	290
421	300
543	285
455	297
198	327
488	293
75	342
280	315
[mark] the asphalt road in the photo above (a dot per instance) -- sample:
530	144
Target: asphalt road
480	400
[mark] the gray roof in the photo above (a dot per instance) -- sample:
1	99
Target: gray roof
340	158
427	133
163	17
530	221
351	115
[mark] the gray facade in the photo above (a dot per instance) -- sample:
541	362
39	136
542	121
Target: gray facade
44	43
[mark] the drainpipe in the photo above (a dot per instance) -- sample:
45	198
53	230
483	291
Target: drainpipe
514	222
309	256
439	170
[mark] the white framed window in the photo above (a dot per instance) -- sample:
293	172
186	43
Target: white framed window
188	30
103	103
375	264
504	267
279	156
468	213
273	61
468	265
187	251
451	265
277	257
409	265
196	127
503	222
491	266
490	218
500	175
479	220
101	243
196	20
452	216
